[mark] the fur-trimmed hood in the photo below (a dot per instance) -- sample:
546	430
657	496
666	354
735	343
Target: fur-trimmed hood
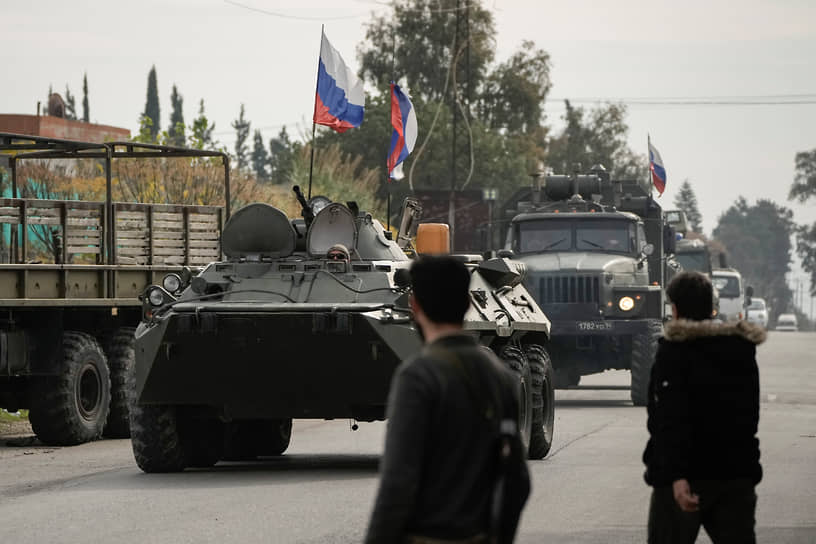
680	330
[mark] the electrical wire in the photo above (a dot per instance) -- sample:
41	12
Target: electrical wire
294	17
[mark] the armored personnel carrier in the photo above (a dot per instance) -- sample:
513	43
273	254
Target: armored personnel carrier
598	253
307	318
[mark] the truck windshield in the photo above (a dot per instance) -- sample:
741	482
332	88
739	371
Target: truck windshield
597	235
696	260
728	286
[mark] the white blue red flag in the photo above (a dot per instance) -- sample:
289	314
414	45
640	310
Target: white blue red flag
403	138
340	98
657	169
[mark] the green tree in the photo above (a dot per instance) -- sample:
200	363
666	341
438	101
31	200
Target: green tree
758	240
686	200
596	137
86	111
260	157
201	131
432	35
70	104
514	92
803	189
175	131
241	126
281	156
152	109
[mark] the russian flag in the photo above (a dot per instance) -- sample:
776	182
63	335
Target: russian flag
340	99
657	169
403	138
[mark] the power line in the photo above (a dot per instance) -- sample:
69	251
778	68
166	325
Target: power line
294	17
745	100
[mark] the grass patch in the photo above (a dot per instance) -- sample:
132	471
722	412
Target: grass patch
6	417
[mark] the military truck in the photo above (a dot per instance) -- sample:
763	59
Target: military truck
693	254
67	326
598	253
309	318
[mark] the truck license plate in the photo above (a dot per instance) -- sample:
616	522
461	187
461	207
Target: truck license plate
594	326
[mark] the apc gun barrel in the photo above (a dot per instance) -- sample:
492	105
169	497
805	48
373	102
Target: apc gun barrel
306	213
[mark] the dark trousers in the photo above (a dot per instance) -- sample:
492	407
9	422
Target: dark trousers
726	512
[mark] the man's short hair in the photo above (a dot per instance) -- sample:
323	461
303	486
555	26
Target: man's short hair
440	287
692	294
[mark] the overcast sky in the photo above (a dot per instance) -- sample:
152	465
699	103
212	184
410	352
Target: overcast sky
627	49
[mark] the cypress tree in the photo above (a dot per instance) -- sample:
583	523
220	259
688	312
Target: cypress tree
86	113
152	104
686	200
241	126
70	104
176	129
259	157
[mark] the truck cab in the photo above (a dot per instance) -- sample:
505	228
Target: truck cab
597	254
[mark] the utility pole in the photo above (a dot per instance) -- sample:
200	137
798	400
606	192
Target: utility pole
452	201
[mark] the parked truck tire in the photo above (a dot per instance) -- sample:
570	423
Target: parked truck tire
520	366
644	348
71	406
543	401
121	361
155	437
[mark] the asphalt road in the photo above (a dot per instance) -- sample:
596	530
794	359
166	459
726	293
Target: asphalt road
588	490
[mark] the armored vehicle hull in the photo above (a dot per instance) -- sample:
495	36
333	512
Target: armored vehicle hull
285	329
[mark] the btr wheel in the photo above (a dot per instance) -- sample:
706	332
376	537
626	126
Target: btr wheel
518	363
541	437
249	439
155	437
72	406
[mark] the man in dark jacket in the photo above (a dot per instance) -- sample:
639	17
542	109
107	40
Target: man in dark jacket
439	465
702	457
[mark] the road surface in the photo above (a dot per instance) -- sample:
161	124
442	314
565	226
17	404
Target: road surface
588	490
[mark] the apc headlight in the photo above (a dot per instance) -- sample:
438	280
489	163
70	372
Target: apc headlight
156	297
171	283
626	303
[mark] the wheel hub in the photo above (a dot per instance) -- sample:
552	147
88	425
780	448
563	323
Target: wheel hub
88	391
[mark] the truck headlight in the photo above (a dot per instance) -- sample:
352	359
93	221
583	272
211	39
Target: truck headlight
626	303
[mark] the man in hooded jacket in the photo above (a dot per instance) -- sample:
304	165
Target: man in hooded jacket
702	458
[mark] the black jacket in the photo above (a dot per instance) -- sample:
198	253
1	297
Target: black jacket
704	403
438	467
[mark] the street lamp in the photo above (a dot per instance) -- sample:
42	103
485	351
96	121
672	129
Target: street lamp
490	196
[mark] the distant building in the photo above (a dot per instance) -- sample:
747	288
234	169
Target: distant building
56	127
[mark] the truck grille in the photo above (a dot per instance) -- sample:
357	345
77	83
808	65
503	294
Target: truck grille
568	289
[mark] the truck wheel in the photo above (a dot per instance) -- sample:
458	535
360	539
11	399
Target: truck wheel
644	348
519	364
121	360
154	435
541	370
248	440
72	406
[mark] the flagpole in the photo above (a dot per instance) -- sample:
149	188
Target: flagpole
388	154
314	125
649	157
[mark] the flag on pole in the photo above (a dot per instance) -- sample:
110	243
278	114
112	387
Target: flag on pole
340	99
657	169
403	138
